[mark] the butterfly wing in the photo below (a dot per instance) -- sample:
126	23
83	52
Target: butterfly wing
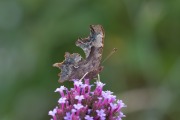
74	66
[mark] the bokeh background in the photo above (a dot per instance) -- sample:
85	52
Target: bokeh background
144	72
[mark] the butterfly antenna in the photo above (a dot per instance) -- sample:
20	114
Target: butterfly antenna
112	52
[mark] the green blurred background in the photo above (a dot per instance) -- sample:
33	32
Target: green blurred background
144	72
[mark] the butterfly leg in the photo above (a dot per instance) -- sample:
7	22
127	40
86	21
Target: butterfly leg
84	76
98	78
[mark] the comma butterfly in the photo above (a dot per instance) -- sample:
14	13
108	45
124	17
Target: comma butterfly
74	66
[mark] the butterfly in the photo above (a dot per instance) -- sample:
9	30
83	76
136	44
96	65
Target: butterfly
74	66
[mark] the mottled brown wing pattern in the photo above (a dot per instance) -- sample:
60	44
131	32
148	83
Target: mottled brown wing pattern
74	66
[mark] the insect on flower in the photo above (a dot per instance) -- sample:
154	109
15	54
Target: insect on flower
74	66
82	102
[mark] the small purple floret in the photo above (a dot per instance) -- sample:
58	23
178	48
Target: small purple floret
87	117
62	100
78	106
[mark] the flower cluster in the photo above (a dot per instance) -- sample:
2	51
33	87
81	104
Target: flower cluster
83	103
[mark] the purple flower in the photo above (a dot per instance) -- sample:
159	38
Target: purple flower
79	97
78	106
121	104
78	83
83	103
52	113
68	116
60	89
107	95
101	113
99	84
62	100
113	106
87	117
